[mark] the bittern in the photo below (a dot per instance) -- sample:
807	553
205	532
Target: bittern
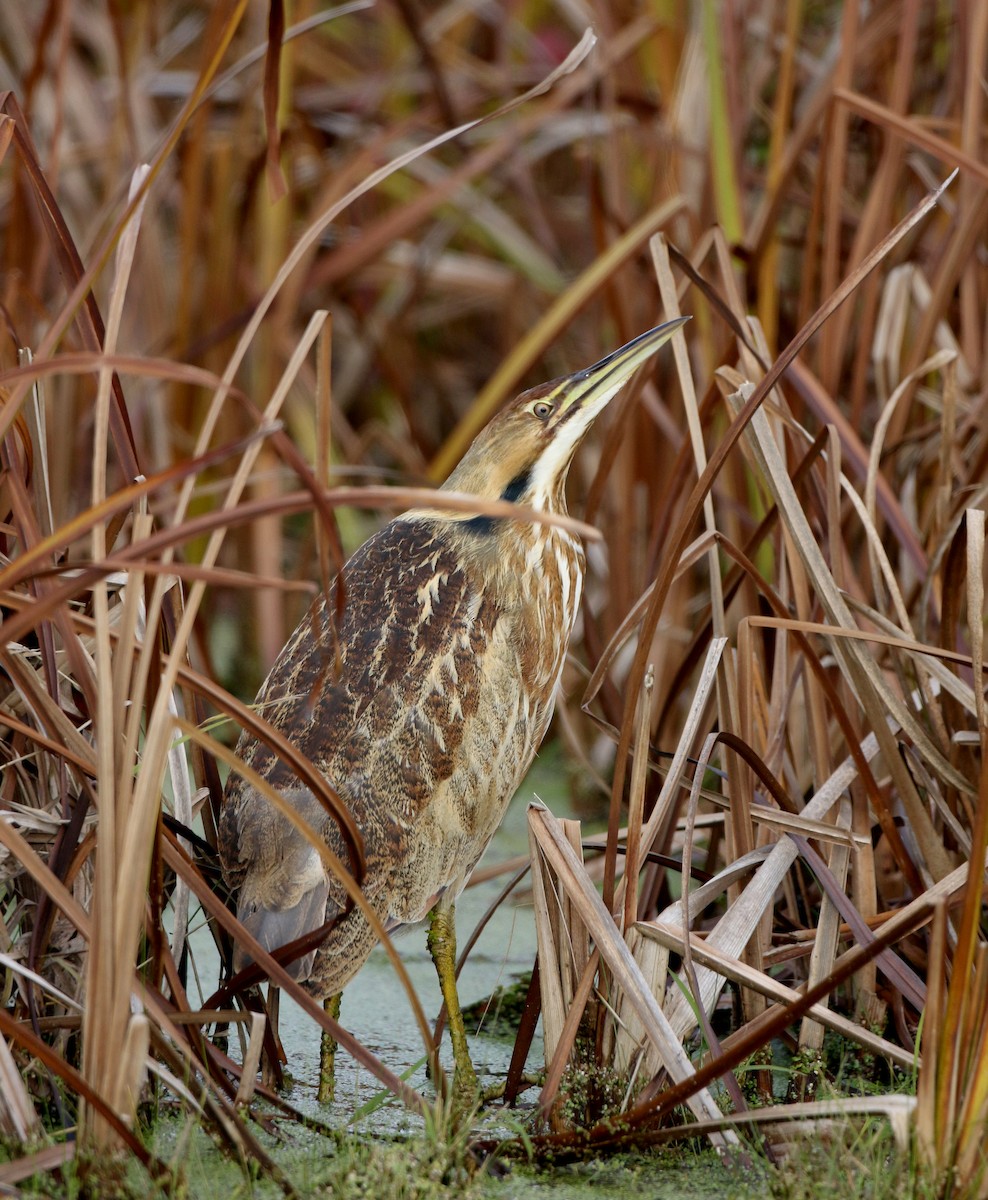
426	707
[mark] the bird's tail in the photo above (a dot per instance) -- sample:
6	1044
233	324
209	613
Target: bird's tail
276	927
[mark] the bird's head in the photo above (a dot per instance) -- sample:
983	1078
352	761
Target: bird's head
523	454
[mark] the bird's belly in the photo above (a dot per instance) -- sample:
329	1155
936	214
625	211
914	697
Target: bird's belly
522	667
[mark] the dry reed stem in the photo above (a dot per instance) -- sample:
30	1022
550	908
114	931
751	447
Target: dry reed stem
607	937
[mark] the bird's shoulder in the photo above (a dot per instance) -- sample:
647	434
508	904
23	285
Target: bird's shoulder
406	598
407	590
385	664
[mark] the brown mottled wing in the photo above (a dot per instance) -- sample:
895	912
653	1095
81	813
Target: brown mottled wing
386	729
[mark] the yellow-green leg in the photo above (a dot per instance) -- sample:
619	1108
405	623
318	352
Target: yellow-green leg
327	1053
442	947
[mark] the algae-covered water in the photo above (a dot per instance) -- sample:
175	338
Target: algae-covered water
376	1010
380	1148
385	1169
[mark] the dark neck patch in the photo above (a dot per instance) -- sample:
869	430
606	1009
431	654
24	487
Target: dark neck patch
481	526
516	488
484	526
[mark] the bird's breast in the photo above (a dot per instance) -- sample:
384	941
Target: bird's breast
538	589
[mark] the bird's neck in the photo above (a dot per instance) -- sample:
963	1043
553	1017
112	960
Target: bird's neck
506	550
526	487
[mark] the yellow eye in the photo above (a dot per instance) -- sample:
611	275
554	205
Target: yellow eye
542	409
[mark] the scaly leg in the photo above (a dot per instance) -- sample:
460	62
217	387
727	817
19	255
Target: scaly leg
327	1053
442	947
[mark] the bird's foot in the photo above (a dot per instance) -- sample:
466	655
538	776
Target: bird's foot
326	1091
496	1090
493	1092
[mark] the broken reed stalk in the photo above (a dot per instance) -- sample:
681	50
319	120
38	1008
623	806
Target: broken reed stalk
572	880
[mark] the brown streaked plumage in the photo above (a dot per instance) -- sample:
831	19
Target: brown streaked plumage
450	647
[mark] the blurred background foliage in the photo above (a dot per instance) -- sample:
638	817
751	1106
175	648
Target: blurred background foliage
737	113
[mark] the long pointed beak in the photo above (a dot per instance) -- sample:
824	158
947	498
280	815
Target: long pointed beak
591	388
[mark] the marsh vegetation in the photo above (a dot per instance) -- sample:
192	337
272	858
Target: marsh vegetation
266	270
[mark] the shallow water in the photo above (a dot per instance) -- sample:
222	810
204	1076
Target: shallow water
376	1010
